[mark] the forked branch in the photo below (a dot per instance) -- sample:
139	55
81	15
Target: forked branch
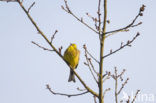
63	94
116	77
53	47
67	9
132	23
31	6
89	64
122	46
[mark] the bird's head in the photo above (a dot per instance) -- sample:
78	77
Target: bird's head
74	45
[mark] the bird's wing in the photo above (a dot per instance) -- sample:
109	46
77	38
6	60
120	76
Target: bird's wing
78	57
68	55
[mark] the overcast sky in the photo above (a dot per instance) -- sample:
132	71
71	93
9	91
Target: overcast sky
25	69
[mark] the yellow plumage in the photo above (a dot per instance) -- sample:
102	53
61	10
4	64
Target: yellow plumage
71	55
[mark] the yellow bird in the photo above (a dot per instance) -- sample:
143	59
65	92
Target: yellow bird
71	56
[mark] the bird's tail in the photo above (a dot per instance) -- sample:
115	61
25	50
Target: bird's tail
71	77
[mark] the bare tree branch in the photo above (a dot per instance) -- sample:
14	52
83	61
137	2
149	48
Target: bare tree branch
95	99
42	47
80	20
132	23
63	94
81	89
102	35
60	49
93	67
91	17
95	20
122	46
84	46
99	18
106	90
53	36
128	101
116	85
107	77
123	85
88	64
9	0
31	6
56	51
102	39
135	96
110	34
122	73
86	51
116	76
107	73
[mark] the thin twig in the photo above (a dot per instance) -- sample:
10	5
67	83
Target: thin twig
88	64
63	94
116	85
91	17
92	73
123	85
60	49
84	46
136	24
107	73
81	89
110	34
135	96
116	76
31	6
41	46
121	74
124	30
106	90
86	51
53	36
108	77
92	56
99	19
95	20
94	99
128	101
132	23
122	46
80	20
9	0
93	67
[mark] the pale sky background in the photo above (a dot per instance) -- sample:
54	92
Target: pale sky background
25	69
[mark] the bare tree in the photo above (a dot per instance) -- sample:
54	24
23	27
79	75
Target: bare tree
99	28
